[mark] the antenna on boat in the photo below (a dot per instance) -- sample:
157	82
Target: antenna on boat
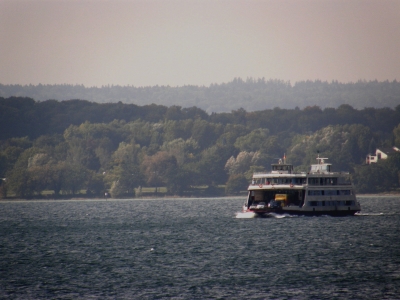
281	160
321	160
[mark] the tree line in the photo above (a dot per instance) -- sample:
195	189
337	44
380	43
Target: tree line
21	116
250	94
76	145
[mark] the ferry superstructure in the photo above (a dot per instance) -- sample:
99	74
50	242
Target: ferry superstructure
317	192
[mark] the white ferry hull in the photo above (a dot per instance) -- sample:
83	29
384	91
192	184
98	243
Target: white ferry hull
340	212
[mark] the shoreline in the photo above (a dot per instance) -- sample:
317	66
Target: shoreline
381	195
119	199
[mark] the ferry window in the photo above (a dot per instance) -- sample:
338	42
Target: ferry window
330	192
314	193
344	192
299	180
330	181
313	181
313	203
349	203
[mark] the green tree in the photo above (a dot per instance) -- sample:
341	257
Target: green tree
117	190
19	181
181	149
252	141
56	176
95	184
125	168
375	178
160	169
235	184
241	163
272	147
205	133
396	132
180	180
75	178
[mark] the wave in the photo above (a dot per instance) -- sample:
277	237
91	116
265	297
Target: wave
361	214
246	215
281	216
252	215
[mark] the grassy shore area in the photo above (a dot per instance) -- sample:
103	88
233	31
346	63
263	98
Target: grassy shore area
143	193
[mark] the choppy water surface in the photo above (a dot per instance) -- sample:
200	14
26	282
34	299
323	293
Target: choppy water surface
195	249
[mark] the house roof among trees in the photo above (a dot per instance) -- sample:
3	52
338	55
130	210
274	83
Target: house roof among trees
389	151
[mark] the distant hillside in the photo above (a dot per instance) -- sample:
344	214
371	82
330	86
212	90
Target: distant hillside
252	95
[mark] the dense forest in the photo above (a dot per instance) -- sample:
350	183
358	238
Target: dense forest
251	94
68	147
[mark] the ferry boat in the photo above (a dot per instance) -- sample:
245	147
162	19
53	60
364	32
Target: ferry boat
317	192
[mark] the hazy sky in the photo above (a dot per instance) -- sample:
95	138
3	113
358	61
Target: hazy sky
199	42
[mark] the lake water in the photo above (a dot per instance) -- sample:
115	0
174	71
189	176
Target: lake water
195	249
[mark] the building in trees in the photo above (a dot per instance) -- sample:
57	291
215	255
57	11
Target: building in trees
381	154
